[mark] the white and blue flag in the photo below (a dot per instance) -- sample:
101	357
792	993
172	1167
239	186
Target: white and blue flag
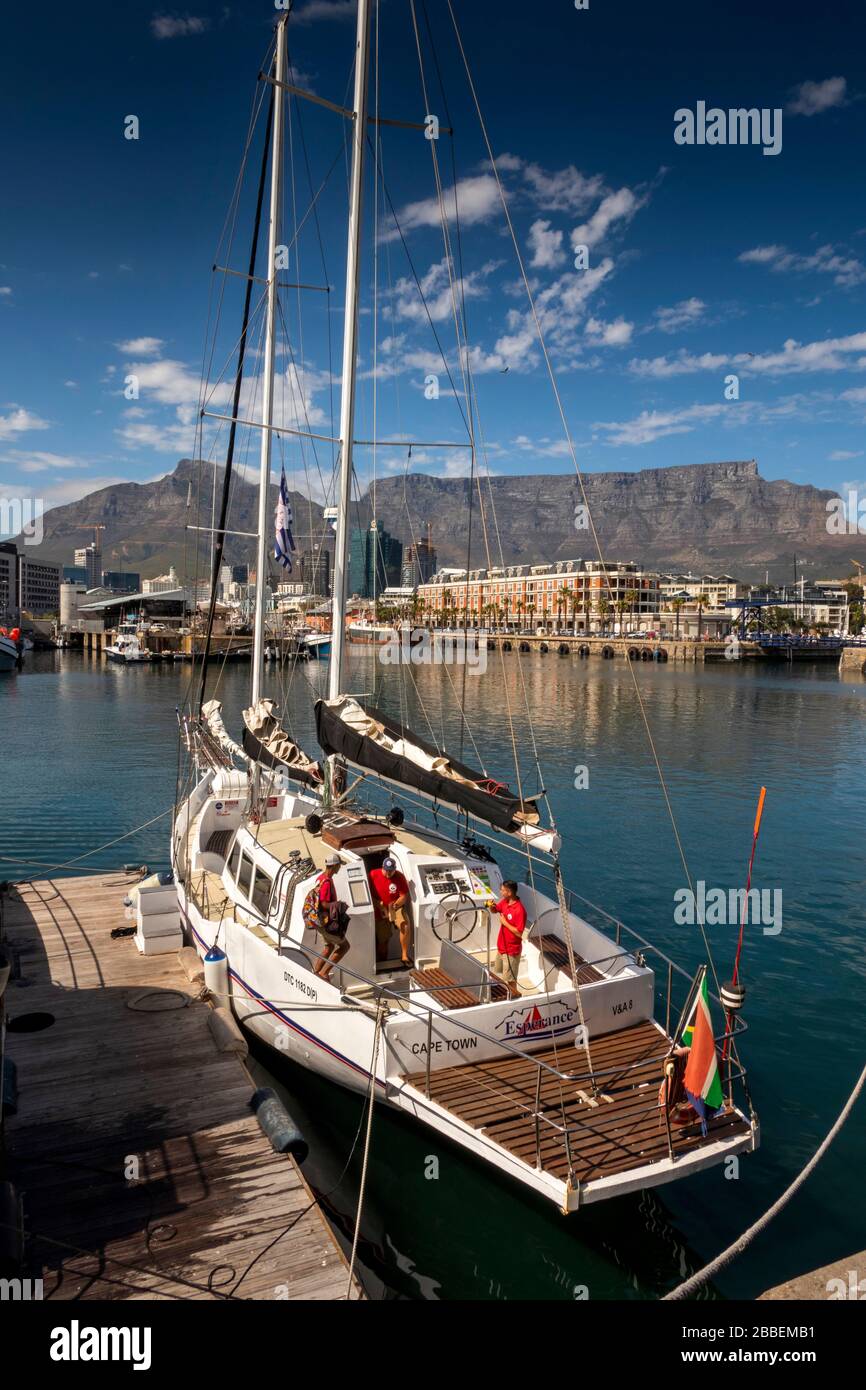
284	542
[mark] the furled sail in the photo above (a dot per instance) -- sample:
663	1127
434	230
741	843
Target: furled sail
266	742
212	715
371	740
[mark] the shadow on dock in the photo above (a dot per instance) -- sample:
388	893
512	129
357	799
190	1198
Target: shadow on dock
141	1169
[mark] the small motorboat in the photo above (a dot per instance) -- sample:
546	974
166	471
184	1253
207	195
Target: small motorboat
128	647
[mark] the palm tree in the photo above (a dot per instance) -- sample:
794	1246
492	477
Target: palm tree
603	607
678	604
620	607
702	601
631	597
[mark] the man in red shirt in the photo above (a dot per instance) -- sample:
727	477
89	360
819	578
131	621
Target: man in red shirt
325	892
390	903
509	942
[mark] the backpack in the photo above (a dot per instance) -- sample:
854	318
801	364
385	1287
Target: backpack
330	917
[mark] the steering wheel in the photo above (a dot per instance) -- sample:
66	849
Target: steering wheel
455	917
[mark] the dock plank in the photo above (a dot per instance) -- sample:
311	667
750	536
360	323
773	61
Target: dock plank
145	1174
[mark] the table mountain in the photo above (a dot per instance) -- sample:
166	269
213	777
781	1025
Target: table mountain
709	517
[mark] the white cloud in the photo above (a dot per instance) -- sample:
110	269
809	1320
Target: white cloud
544	447
167	381
843	455
165	439
825	355
846	270
175	26
38	461
19	421
651	425
476	201
71	385
141	347
5	291
545	245
560	190
439	295
682	315
615	207
615	334
810	98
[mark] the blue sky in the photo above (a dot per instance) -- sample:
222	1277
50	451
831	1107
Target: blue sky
703	260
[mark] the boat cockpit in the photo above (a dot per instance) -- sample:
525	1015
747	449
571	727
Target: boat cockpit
261	875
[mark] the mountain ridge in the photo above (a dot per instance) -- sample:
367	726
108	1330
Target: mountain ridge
706	517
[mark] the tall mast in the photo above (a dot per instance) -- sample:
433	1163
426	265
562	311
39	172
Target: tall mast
264	529
350	352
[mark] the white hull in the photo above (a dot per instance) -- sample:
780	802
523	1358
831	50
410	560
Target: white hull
330	1028
9	656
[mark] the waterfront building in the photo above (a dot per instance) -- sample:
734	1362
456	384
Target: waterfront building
397	597
822	604
716	588
565	595
419	563
375	561
8	578
316	572
74	574
89	558
163	583
38	586
72	595
121	581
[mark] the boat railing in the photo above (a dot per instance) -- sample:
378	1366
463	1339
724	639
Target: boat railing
528	1097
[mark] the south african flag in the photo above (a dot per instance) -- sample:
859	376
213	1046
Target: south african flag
702	1080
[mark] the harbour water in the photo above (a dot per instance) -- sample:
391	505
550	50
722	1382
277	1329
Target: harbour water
90	751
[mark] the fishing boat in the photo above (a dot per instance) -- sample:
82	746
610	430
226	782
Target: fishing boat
127	647
317	645
560	1078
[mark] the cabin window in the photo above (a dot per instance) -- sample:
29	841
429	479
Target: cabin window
235	861
262	892
245	875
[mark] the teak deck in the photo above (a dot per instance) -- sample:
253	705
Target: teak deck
625	1129
108	1088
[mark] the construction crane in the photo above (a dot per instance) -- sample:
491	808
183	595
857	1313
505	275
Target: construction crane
859	572
97	527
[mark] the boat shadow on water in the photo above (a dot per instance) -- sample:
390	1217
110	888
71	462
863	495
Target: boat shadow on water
435	1227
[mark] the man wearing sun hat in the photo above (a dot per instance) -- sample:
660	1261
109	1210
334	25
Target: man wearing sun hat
390	900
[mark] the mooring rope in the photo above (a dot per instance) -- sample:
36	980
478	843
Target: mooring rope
703	1275
371	1101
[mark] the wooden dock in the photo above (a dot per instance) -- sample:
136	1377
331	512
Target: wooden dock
143	1170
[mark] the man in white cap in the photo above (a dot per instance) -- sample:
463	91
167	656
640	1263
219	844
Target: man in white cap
336	944
390	898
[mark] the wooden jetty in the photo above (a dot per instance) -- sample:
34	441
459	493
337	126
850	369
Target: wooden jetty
143	1170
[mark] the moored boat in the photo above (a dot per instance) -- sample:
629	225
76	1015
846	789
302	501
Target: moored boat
554	1069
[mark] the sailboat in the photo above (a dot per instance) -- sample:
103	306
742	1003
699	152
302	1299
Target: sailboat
552	1081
